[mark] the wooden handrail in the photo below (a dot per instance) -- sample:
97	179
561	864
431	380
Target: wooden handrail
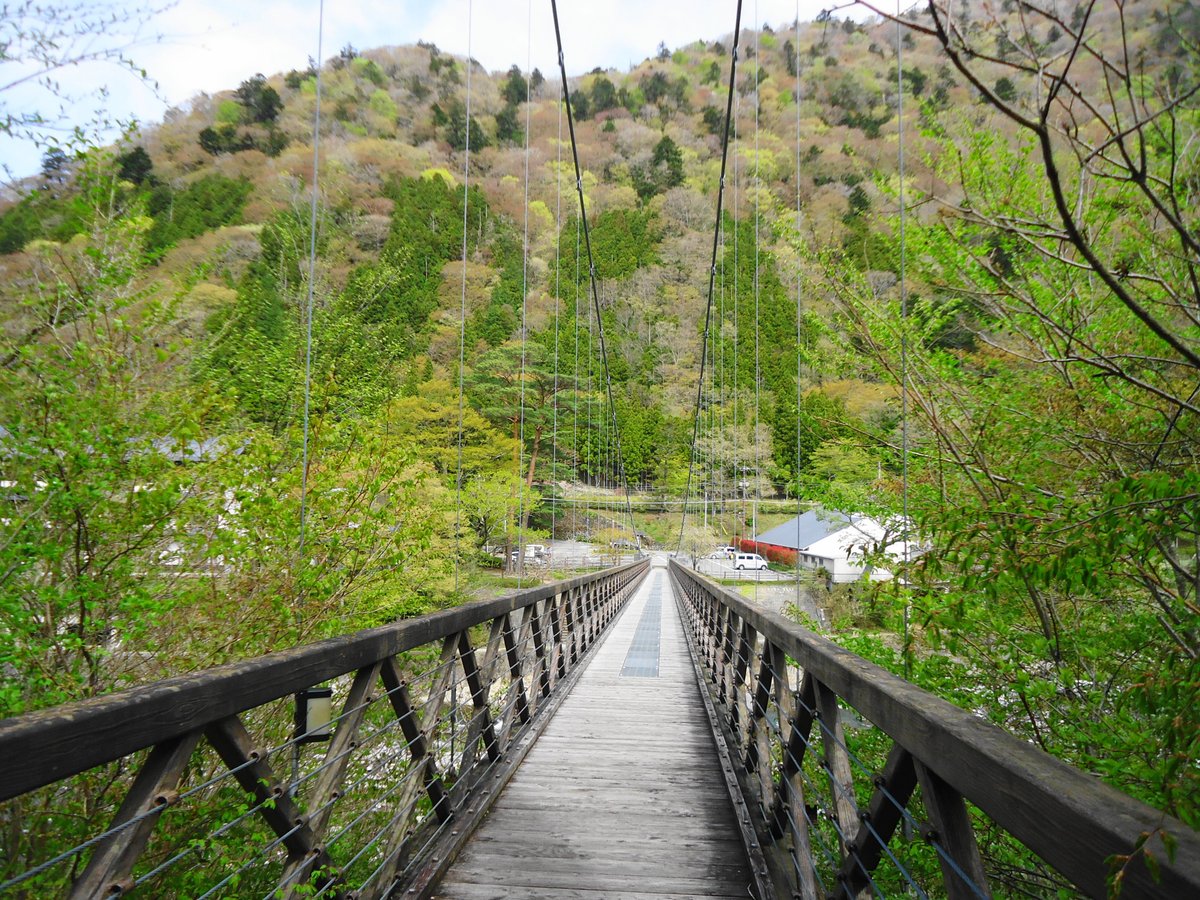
52	744
1070	819
501	688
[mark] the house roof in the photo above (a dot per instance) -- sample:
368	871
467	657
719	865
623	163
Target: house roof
805	530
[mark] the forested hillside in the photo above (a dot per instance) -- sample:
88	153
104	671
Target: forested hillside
1002	338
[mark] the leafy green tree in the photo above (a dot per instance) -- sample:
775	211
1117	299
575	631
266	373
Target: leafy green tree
428	421
1054	466
456	129
207	203
260	101
515	387
515	89
604	94
19	224
623	240
655	87
915	79
508	128
580	105
714	120
224	139
91	489
136	166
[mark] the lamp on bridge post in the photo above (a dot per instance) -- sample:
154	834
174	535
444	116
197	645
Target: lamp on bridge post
314	715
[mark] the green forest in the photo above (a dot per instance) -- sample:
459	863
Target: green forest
957	276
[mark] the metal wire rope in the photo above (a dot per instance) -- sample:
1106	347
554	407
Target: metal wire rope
712	273
562	66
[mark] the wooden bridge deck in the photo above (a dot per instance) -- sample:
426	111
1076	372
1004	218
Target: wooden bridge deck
623	795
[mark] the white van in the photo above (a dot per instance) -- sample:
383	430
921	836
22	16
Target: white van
749	561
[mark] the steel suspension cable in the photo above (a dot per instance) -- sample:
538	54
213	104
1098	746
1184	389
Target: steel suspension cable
462	321
521	481
557	311
907	656
757	372
799	318
740	508
312	275
712	271
308	315
575	434
562	67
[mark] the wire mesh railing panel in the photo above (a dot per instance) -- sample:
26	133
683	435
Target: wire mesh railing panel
864	785
215	785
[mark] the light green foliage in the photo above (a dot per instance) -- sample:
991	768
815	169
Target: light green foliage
228	112
1055	472
428	420
369	70
443	174
90	490
382	104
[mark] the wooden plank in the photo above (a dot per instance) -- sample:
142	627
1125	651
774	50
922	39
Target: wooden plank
554	857
622	794
337	759
435	857
497	892
524	876
418	744
898	779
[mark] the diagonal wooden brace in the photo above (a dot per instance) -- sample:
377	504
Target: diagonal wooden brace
115	857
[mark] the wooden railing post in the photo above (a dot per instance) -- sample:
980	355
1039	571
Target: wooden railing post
954	832
115	857
789	813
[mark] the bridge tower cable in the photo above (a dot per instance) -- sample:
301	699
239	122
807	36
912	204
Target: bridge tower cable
616	436
904	436
462	345
312	275
712	273
575	434
738	410
799	322
554	500
462	318
308	315
757	370
524	484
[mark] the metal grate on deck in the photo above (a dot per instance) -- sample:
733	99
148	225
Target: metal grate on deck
641	661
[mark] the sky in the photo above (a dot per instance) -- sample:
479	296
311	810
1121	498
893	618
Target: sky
213	45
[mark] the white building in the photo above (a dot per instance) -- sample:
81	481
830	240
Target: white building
838	542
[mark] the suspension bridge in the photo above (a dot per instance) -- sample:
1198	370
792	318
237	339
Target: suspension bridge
635	732
638	732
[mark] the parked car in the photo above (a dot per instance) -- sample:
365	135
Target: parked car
749	561
723	553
